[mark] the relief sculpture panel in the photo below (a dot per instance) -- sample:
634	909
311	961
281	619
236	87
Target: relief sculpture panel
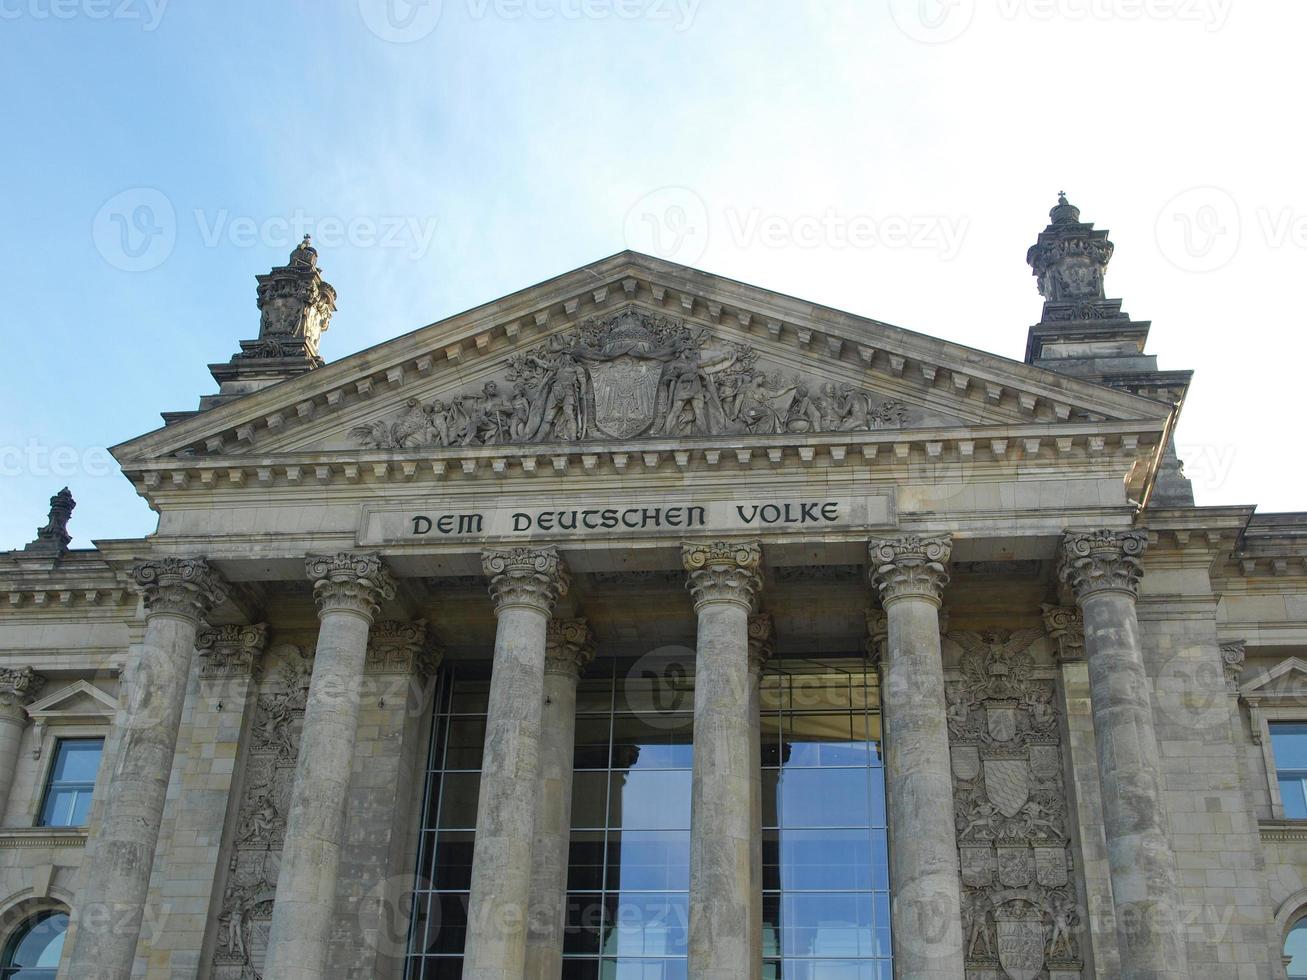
630	376
1018	898
269	775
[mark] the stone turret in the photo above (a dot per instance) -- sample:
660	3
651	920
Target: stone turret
1085	334
53	539
295	308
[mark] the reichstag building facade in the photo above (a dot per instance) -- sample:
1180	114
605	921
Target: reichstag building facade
647	625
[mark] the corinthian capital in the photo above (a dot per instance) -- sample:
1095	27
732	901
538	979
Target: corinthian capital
179	586
535	577
1095	562
569	647
347	582
910	568
18	686
762	641
724	571
231	651
402	648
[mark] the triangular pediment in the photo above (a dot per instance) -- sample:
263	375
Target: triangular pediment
634	350
1287	679
77	702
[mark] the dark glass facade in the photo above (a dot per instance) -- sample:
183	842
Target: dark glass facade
826	888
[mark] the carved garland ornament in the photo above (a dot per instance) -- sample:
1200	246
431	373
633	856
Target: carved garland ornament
1018	899
535	577
910	567
179	586
723	571
632	375
1096	562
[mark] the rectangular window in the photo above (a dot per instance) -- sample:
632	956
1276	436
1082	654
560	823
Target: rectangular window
1289	744
72	779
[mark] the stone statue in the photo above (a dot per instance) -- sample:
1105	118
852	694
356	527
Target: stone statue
53	539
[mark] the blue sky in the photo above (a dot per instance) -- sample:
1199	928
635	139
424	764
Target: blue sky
890	157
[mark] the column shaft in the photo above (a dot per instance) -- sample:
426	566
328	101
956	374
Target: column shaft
1103	568
568	651
924	876
348	589
18	686
116	876
525	584
725	581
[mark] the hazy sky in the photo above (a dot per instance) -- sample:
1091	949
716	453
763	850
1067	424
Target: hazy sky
894	159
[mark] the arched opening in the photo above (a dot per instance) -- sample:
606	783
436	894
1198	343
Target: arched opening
33	951
1295	948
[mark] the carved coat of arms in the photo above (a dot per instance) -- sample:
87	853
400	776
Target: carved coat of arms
625	394
1021	947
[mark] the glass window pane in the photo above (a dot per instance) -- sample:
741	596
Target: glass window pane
826	925
1289	744
649	860
465	743
825	798
830	970
1295	946
825	860
1292	795
589	799
79	760
645	924
644	970
653	741
654	800
585	916
41	943
592	735
823	740
585	863
458	800
453	859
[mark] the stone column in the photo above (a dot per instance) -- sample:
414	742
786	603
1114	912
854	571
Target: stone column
348	589
1103	570
762	643
569	648
177	593
18	686
525	584
725	580
926	912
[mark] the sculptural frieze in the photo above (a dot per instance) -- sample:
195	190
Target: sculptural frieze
1019	915
633	375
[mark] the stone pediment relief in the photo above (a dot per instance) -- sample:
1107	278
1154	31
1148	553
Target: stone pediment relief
1286	681
637	375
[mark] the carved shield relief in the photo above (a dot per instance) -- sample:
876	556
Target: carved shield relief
625	394
1021	947
1007	784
